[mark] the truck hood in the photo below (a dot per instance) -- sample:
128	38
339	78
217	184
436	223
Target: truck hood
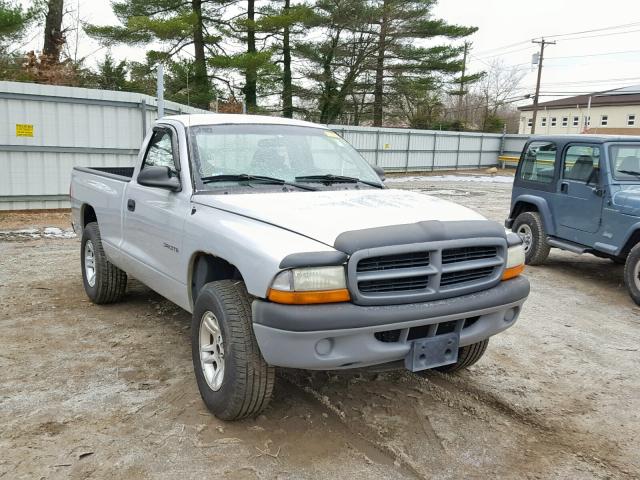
324	215
628	200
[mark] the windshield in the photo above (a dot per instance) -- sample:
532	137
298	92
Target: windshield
285	152
625	161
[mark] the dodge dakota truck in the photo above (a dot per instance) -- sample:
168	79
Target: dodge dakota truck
288	250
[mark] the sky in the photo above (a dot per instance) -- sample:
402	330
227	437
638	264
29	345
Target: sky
581	62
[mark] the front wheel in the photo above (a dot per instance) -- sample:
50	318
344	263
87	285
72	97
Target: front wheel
632	273
233	378
528	226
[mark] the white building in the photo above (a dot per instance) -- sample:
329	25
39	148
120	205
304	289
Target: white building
613	111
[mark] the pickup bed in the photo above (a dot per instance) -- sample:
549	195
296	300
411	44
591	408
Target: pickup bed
289	251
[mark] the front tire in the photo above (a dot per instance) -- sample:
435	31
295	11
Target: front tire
632	273
103	281
467	356
528	226
233	378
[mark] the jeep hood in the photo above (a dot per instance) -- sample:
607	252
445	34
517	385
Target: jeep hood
324	215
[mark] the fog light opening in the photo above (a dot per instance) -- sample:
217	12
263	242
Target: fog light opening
324	346
510	315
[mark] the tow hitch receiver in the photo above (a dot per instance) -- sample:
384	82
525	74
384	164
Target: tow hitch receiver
432	352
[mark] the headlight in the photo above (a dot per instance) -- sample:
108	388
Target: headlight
310	285
515	262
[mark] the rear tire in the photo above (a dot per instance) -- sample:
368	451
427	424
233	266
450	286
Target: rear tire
467	356
528	226
632	273
103	281
233	378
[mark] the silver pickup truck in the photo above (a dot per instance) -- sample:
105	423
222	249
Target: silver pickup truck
287	248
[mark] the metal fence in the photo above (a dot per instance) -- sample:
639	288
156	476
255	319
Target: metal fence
47	130
408	150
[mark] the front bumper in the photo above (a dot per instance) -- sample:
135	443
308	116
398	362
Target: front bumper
343	335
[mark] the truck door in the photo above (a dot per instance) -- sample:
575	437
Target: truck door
154	217
580	197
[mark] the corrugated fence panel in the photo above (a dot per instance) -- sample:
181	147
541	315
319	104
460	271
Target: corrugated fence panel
70	126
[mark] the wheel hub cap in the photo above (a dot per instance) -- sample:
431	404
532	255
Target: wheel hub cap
90	263
211	351
525	233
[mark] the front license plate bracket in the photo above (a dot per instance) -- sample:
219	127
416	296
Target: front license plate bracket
432	352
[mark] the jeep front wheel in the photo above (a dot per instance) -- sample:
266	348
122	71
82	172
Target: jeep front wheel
632	273
528	226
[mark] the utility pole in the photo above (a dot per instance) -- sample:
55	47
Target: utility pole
464	68
542	43
160	89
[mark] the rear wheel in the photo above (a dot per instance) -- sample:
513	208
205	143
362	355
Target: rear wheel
528	226
632	273
103	281
233	378
467	356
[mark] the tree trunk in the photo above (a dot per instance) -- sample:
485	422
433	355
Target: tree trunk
287	90
53	37
378	90
200	81
251	75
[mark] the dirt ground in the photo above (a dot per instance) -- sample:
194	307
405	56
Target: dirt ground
92	391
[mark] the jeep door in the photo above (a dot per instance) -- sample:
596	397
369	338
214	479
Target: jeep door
580	197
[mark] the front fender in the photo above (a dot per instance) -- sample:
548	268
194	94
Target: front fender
255	248
543	208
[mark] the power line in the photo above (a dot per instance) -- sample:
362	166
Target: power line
600	35
594	55
613	27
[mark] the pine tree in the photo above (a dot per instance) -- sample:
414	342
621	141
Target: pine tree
401	25
175	24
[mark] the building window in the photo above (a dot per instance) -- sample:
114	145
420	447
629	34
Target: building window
576	121
604	120
544	121
530	122
631	119
565	121
587	121
553	121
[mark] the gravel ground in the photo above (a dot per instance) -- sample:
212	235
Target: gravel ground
108	391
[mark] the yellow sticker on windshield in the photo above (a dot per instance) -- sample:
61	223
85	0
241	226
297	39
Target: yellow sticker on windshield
331	134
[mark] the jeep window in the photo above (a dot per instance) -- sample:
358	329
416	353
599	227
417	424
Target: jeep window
581	163
538	163
278	151
625	161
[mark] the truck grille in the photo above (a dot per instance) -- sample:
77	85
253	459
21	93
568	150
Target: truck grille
424	272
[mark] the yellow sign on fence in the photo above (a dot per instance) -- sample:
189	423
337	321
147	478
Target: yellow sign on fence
24	130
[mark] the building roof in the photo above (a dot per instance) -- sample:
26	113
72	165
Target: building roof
619	96
235	118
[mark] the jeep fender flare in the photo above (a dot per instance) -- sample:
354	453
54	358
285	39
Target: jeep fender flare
542	207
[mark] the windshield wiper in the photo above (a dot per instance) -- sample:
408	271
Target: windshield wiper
245	177
328	179
630	172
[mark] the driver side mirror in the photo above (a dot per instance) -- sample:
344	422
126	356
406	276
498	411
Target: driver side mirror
379	171
159	177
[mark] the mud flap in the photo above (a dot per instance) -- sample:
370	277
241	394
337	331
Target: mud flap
433	352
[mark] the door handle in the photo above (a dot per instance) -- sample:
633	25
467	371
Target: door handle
564	187
131	205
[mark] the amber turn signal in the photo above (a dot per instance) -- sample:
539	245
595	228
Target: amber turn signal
512	272
309	297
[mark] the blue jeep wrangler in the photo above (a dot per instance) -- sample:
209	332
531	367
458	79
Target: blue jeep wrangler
580	193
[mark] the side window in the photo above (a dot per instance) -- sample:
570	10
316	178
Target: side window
581	163
538	164
160	151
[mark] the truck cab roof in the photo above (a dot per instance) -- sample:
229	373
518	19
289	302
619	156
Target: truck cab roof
234	118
